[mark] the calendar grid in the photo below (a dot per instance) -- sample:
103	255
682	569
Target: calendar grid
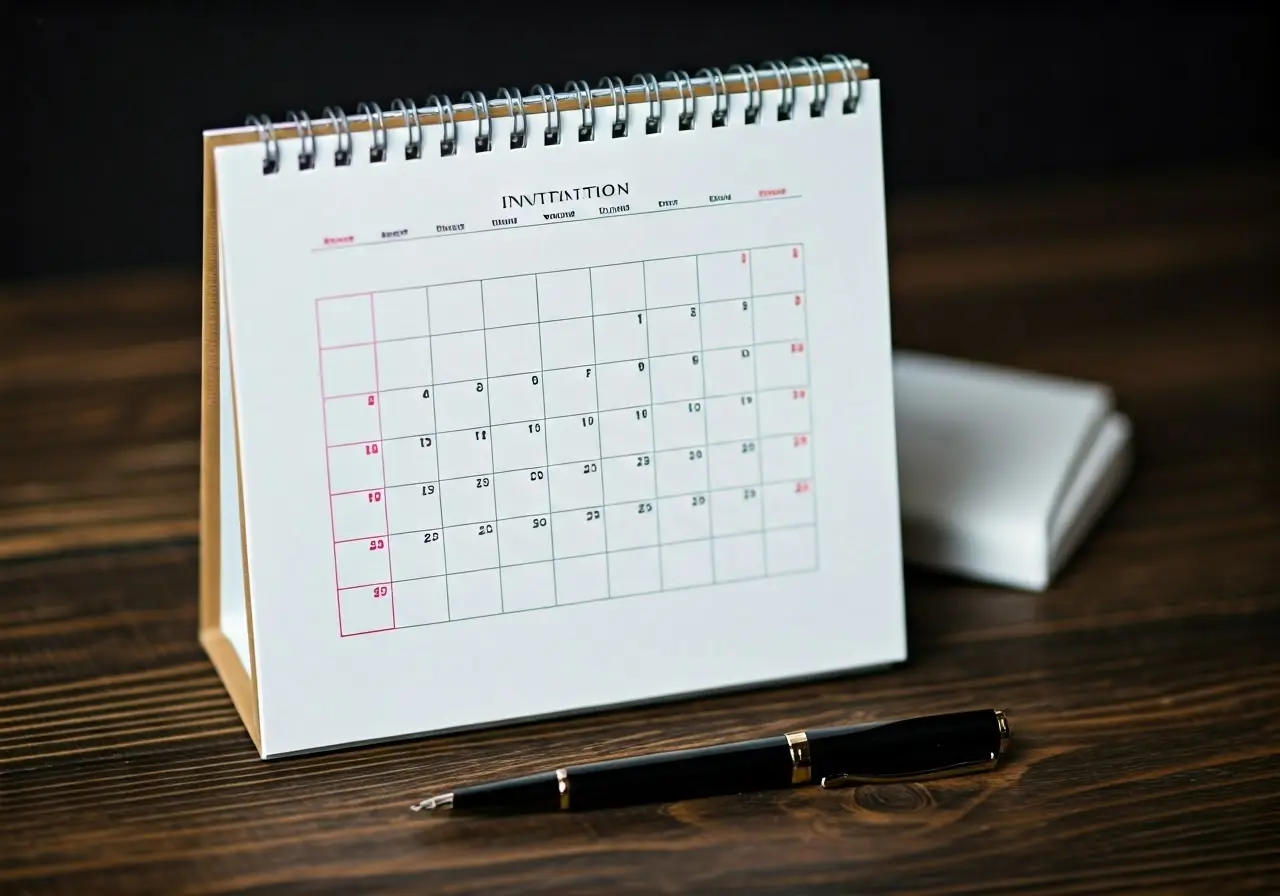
686	462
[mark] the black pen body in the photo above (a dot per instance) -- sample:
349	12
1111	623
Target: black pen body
763	764
911	749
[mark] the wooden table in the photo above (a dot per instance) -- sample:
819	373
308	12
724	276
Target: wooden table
1142	688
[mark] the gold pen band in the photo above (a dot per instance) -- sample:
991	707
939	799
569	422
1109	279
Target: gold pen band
562	782
801	768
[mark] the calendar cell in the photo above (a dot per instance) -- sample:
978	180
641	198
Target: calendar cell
570	391
631	525
679	424
634	572
522	493
409	460
730	370
623	385
475	594
467	548
731	418
575	533
780	316
621	337
724	275
786	457
400	314
684	517
358	515
676	378
514	399
404	363
353	418
674	330
687	565
734	464
417	555
413	508
784	411
365	561
365	609
739	557
348	371
464	453
467	500
518	446
344	321
781	365
628	431
355	467
785	505
564	294
791	550
617	288
510	300
629	478
463	405
528	587
524	539
572	438
576	485
736	510
777	269
407	412
726	324
514	350
582	579
421	602
568	343
671	281
682	471
455	307
458	356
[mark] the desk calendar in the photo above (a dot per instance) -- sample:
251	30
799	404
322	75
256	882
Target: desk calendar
538	404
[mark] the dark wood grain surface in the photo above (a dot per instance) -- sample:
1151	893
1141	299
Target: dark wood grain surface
1143	688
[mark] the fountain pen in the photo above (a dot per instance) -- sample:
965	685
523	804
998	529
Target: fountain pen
906	750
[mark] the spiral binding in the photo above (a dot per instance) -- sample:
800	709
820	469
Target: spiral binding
644	87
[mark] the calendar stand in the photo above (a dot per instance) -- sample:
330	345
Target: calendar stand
616	436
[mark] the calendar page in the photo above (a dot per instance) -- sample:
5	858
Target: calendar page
530	431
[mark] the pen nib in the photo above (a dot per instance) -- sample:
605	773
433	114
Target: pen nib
443	801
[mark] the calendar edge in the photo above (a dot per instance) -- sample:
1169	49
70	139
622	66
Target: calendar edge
239	682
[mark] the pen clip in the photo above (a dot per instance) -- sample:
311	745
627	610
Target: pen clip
850	779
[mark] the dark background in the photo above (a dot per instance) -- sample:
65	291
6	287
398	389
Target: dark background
111	103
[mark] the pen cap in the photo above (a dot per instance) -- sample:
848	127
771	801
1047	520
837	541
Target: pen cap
910	749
